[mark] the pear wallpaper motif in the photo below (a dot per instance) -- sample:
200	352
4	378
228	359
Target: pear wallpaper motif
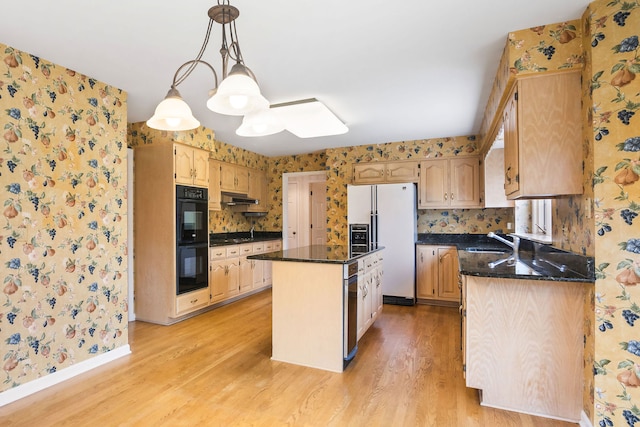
612	29
63	241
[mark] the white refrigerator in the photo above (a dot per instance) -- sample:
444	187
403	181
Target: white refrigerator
390	211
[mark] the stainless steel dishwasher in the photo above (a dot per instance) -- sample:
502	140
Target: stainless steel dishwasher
350	304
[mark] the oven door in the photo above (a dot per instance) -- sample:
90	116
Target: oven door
192	221
192	267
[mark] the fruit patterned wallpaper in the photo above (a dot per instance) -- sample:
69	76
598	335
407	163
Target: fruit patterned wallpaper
63	241
612	100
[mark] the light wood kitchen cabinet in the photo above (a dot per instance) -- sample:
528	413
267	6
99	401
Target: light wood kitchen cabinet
542	136
232	275
246	271
191	165
257	266
447	183
258	190
385	172
192	301
234	178
154	237
370	273
437	273
523	344
215	197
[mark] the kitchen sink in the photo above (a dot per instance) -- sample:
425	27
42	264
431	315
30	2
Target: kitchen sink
488	250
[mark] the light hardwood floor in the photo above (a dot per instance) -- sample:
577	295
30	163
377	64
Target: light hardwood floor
215	369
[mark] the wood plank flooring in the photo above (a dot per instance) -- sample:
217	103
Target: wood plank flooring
215	370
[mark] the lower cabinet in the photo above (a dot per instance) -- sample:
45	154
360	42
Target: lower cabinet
522	344
437	273
231	274
192	301
369	291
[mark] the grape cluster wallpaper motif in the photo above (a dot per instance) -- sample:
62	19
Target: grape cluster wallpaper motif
63	241
613	91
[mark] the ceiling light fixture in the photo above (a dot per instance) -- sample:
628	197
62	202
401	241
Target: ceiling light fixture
238	93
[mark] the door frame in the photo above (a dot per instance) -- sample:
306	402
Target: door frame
320	175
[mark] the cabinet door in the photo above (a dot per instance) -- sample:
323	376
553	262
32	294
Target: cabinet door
427	272
368	173
258	190
448	274
183	164
464	183
227	177
214	186
361	292
511	168
200	167
218	280
242	180
434	184
402	172
233	277
246	274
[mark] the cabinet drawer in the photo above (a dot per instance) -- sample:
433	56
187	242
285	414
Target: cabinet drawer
217	252
232	251
192	301
246	249
258	248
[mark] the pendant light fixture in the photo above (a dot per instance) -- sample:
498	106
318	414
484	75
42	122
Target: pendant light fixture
238	94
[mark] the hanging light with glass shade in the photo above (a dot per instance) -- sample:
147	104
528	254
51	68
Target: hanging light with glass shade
238	93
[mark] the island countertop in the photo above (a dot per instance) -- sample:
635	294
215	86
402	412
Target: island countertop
331	254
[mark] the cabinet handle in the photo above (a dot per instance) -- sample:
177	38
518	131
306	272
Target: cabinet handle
451	196
421	257
193	301
445	196
507	175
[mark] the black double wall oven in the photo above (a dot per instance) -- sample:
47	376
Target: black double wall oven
192	238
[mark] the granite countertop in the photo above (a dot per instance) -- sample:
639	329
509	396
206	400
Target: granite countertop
330	254
536	261
226	239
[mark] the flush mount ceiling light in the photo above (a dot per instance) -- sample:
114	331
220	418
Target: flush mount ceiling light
309	118
237	94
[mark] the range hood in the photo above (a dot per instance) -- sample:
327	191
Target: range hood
237	200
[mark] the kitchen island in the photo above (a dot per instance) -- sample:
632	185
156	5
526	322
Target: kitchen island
310	309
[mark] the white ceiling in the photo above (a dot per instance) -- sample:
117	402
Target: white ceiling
391	71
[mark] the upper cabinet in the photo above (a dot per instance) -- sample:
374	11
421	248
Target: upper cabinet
191	165
214	186
257	190
494	194
234	178
446	183
542	136
385	172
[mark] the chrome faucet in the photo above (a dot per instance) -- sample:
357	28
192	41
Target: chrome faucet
515	246
251	231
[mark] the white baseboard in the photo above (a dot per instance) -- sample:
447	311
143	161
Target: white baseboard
41	383
584	420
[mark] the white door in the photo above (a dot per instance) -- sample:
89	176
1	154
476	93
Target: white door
318	213
292	215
